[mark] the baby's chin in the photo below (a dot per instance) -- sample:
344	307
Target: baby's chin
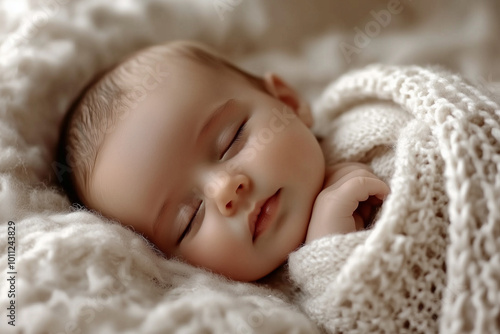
251	274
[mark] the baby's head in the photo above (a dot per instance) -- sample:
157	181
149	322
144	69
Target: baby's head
211	164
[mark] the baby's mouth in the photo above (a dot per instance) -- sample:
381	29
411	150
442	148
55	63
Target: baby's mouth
265	214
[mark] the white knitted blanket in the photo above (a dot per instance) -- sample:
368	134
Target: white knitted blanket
75	272
432	262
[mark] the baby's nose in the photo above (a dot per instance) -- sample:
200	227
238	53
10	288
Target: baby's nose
231	194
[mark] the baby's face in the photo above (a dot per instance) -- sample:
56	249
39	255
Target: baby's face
212	170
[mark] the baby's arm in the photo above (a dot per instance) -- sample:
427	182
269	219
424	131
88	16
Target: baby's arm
345	204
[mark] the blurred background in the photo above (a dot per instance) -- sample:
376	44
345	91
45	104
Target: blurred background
308	42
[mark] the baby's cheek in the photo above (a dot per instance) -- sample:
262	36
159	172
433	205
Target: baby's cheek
213	245
294	150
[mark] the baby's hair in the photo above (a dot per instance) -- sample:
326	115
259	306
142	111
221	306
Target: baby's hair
103	102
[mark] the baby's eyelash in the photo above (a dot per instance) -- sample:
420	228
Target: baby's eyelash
236	138
190	224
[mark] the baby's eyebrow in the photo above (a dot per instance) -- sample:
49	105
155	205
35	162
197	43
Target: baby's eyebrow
214	117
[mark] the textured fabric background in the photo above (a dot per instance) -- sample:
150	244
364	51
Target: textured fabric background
78	273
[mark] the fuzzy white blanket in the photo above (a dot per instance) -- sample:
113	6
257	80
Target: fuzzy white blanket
75	272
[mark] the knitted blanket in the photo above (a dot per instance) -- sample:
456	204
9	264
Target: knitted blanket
432	262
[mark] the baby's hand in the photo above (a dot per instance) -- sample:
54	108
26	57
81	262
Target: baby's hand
346	204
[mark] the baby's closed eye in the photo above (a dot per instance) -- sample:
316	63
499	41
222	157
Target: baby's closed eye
236	138
190	216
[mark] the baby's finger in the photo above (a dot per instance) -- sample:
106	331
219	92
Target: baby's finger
347	198
361	188
339	171
374	201
336	181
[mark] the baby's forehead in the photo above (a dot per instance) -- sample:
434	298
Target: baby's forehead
145	70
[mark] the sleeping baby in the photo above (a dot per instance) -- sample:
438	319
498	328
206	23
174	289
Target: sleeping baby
213	165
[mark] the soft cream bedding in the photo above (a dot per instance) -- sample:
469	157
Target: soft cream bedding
75	272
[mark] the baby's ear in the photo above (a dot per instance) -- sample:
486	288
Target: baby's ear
278	88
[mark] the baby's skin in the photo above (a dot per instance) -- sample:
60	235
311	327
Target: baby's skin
350	196
224	175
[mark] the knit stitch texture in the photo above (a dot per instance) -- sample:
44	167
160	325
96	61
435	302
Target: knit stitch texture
432	263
